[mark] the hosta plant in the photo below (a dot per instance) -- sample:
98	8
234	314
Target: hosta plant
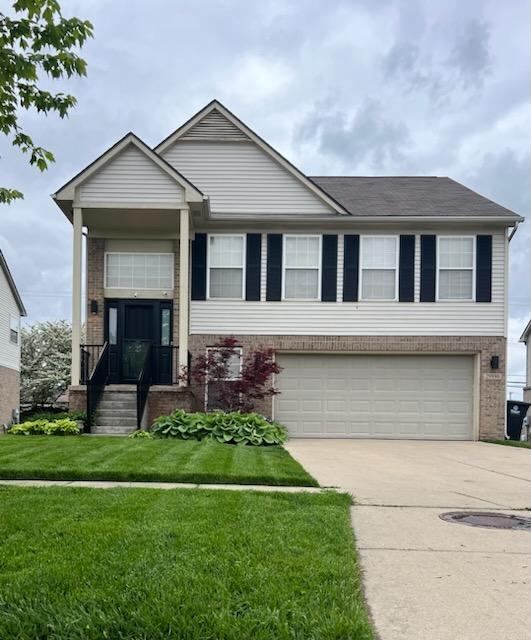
226	427
141	434
63	427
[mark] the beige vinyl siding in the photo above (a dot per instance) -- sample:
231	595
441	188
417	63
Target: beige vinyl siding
214	126
358	318
9	352
131	177
240	178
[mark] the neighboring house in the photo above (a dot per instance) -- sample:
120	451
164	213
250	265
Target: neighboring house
526	339
385	299
11	310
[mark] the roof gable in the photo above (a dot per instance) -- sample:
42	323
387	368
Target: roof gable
216	123
123	162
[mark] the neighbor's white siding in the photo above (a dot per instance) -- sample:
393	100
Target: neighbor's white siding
9	352
358	318
528	374
130	177
240	178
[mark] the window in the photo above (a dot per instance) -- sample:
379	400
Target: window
455	269
14	329
379	267
213	387
113	325
302	267
139	270
165	328
226	260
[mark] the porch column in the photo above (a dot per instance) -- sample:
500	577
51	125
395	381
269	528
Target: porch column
184	242
76	294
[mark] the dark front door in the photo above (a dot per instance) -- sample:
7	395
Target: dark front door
134	329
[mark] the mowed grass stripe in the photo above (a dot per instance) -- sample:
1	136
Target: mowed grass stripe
125	459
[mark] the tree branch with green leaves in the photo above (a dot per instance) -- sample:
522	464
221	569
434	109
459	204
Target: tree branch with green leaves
36	41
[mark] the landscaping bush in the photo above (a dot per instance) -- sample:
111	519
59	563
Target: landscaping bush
140	434
62	427
230	428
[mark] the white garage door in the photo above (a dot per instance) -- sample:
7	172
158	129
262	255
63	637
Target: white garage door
376	396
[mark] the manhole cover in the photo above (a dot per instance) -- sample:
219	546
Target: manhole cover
487	520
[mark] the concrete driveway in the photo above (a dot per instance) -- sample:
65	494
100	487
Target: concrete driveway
426	579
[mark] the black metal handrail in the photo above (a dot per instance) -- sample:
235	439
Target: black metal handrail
96	383
145	379
90	354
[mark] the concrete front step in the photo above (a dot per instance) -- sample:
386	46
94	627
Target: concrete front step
117	405
115	396
118	413
115	421
111	430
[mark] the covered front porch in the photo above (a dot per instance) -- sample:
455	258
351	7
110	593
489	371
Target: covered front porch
132	218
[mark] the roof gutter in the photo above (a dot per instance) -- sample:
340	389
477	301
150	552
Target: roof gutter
508	220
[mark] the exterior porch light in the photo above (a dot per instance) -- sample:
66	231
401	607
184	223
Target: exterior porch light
94	307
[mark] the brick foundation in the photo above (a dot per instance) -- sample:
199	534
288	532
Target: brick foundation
9	394
491	383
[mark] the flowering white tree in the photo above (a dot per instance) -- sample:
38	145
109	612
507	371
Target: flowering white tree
46	359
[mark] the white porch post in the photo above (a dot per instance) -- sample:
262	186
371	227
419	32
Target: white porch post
184	241
76	294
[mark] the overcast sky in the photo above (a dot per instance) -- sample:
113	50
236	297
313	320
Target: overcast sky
357	87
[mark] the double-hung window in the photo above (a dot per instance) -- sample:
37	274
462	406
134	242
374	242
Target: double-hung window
379	267
139	270
455	267
302	267
226	265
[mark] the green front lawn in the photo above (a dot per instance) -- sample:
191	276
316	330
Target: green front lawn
126	459
138	564
512	443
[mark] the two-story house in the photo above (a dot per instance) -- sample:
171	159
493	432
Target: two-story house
384	298
11	310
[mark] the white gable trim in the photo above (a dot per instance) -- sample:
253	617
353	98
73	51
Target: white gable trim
181	131
67	192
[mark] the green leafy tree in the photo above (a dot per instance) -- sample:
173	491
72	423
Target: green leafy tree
45	362
36	42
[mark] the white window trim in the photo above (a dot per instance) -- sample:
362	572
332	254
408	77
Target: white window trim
396	238
16	320
236	349
319	267
243	267
141	253
473	269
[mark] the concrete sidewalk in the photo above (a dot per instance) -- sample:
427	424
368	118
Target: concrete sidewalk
426	579
104	484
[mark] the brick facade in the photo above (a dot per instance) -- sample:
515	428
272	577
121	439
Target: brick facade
95	280
9	394
491	383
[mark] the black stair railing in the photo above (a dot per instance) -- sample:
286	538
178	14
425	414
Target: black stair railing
90	354
145	379
96	383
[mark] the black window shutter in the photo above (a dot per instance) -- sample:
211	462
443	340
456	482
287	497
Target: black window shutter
253	261
329	269
406	272
428	267
274	266
199	266
351	261
484	269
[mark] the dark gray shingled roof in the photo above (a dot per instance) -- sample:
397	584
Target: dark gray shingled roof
408	196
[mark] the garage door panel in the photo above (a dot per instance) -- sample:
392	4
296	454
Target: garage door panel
397	396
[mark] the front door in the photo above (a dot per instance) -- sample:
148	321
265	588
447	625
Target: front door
133	328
